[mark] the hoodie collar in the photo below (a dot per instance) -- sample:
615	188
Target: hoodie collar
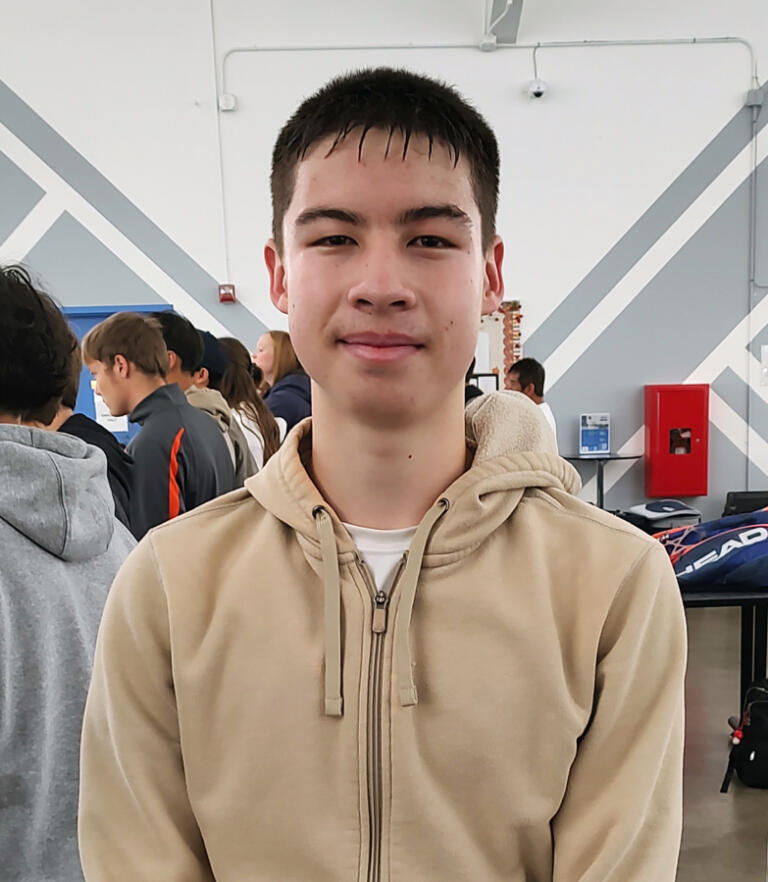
163	398
514	450
212	402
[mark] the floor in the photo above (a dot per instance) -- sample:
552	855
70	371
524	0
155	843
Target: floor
724	835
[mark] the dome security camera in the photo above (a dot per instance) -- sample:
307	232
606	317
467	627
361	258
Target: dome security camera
536	88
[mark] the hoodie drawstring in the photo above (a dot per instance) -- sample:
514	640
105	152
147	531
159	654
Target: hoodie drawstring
332	607
332	612
409	582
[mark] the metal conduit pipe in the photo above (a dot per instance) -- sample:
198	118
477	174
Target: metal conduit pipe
489	44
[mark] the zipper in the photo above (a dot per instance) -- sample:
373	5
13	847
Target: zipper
375	774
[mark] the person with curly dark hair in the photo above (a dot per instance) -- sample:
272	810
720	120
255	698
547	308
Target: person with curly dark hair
60	547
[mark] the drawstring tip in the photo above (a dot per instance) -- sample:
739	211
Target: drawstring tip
408	696
334	707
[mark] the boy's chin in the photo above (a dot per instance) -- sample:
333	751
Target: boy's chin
392	408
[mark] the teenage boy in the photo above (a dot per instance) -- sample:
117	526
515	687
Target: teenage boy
196	361
60	548
403	651
180	457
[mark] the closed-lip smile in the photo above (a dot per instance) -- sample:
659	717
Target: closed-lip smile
371	346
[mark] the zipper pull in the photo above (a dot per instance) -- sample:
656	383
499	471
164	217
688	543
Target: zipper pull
381	602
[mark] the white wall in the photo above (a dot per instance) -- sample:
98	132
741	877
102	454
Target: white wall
131	86
617	127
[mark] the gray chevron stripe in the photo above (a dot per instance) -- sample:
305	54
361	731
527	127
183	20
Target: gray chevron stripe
77	269
19	194
72	167
643	233
664	333
737	395
734	392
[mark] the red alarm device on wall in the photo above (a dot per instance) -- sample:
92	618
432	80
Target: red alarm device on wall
677	440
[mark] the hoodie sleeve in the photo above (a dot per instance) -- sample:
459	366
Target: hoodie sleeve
136	823
621	817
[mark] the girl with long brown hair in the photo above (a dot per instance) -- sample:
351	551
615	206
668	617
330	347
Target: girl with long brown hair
239	388
289	396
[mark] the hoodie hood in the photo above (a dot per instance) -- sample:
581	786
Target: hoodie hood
514	450
54	490
213	403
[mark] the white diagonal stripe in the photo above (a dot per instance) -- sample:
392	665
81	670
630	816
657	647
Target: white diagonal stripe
68	199
652	262
30	230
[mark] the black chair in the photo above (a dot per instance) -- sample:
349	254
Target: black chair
743	501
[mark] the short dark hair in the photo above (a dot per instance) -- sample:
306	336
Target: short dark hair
213	359
529	370
35	348
183	338
395	101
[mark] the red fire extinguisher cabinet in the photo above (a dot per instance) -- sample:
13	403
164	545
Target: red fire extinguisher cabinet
677	440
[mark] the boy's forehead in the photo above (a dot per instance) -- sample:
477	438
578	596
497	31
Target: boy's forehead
332	164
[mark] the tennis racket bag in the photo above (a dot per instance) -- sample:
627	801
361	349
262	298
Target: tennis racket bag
726	551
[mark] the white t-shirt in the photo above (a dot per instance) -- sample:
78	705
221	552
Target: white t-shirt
550	417
382	551
252	435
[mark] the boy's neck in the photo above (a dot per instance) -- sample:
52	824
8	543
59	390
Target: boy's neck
143	386
382	478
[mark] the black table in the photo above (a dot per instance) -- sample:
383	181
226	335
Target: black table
600	459
754	627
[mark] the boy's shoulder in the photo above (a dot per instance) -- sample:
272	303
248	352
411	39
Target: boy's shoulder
565	513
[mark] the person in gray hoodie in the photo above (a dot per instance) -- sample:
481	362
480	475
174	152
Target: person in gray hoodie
60	548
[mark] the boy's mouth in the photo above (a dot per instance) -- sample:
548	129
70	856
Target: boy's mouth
370	346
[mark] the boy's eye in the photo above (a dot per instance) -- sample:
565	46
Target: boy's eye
431	242
334	241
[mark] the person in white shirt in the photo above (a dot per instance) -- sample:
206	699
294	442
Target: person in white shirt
527	376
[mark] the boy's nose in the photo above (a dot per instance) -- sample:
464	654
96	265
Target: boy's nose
381	287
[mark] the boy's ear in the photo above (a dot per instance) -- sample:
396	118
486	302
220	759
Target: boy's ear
493	289
278	292
201	378
121	366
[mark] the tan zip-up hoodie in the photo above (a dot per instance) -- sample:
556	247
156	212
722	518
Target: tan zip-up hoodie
514	712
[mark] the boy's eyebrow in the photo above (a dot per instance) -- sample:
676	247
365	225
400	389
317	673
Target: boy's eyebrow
338	214
428	212
409	216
